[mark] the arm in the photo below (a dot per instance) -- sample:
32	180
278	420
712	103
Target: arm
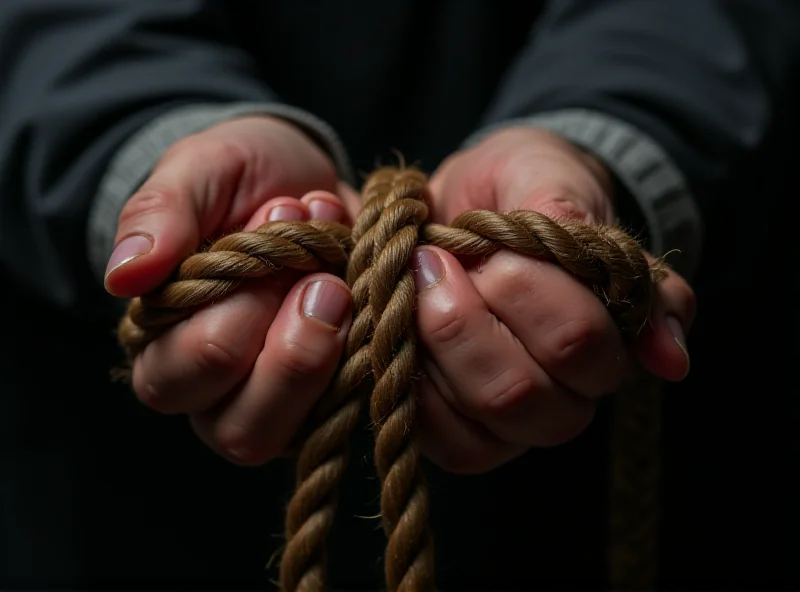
671	96
93	92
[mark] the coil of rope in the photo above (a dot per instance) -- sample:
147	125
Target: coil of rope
379	362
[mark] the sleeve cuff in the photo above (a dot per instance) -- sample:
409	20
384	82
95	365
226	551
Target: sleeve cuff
672	216
136	158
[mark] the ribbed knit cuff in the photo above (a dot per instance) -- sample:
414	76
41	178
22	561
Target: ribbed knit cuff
645	170
135	160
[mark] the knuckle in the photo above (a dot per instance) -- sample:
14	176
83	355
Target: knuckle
513	281
506	394
153	397
447	327
154	200
573	340
150	387
241	444
214	355
301	359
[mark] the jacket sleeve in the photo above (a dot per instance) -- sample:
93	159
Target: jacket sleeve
87	84
672	96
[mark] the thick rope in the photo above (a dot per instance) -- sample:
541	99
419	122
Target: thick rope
380	353
634	508
209	276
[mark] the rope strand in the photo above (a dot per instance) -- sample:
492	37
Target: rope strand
380	352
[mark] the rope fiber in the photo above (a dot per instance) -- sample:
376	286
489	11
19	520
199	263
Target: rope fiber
380	361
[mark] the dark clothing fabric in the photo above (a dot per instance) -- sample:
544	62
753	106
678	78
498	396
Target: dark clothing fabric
80	76
96	491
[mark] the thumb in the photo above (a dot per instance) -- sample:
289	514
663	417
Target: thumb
164	221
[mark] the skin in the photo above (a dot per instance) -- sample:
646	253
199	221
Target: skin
516	352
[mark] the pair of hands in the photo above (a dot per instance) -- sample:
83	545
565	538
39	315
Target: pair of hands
515	353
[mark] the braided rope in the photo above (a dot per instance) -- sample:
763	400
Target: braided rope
380	352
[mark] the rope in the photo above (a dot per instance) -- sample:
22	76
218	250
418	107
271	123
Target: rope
380	354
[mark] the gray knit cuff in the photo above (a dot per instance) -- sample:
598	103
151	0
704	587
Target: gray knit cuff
135	160
673	218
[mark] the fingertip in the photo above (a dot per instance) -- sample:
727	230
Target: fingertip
441	281
324	277
324	205
432	265
677	337
453	266
157	228
283	209
320	303
428	268
662	350
139	263
327	300
447	301
662	347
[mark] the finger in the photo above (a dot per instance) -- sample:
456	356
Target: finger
561	323
297	362
196	363
661	347
324	205
451	440
193	365
285	209
182	202
492	377
315	205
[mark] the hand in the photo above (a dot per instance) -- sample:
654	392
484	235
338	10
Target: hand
516	350
246	369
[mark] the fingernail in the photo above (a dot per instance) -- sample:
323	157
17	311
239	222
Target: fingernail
327	302
429	269
285	213
129	249
322	209
676	329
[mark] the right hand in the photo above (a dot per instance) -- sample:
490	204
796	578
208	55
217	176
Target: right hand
247	369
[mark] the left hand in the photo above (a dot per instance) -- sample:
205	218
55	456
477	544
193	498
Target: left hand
516	350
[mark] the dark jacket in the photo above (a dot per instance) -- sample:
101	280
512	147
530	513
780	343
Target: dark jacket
688	102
